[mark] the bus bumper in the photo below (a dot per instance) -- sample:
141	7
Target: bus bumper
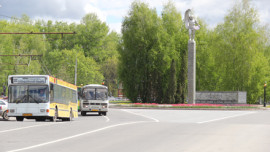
94	109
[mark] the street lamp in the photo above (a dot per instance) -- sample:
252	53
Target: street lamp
264	102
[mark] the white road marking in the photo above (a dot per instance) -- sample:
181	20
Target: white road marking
48	124
75	136
107	118
156	120
225	117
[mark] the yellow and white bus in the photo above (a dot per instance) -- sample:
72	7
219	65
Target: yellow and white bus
41	97
94	98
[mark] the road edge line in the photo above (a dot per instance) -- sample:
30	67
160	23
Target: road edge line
242	114
156	120
75	136
48	124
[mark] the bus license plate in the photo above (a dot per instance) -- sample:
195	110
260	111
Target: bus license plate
27	114
94	110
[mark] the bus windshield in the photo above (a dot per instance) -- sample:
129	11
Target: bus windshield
28	94
94	94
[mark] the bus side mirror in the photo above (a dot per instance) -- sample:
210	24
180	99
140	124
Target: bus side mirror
51	86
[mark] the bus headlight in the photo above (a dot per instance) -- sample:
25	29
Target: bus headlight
85	106
104	105
42	110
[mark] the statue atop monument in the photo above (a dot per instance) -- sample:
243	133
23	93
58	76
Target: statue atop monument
191	24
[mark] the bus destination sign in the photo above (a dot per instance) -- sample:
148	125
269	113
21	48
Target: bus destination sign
29	80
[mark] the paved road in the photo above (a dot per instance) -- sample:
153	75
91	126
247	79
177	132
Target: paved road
137	130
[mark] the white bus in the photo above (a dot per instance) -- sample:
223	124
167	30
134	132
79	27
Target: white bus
41	97
94	98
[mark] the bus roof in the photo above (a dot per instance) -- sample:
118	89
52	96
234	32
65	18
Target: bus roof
95	86
50	78
28	75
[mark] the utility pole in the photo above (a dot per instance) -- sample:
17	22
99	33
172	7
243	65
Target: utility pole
76	71
264	102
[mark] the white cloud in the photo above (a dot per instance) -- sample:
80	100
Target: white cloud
118	13
116	27
113	4
46	18
88	8
263	9
211	11
113	11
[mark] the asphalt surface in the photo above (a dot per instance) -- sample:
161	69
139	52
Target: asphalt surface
142	130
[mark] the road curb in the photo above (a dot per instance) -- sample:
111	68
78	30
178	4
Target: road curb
115	106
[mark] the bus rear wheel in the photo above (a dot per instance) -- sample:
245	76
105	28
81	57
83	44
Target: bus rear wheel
102	113
83	113
70	116
19	118
40	119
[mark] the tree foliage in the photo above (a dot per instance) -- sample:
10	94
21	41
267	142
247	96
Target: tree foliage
149	58
230	57
93	46
240	59
177	45
150	44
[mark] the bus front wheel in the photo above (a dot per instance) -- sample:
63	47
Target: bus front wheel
102	113
5	116
19	118
53	119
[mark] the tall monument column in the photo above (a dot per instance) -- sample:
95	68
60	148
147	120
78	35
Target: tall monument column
191	72
192	25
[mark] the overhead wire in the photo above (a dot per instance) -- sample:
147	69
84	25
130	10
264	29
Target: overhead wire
43	65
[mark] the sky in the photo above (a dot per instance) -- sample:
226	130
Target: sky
113	11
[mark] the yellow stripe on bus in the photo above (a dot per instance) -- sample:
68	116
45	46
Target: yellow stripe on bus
63	110
63	83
